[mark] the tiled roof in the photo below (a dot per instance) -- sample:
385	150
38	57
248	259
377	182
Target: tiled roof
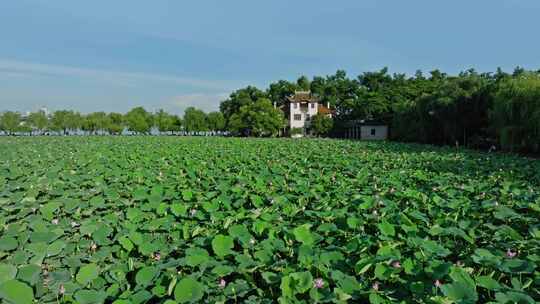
303	96
324	110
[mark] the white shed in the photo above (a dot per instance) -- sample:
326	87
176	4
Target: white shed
365	130
373	132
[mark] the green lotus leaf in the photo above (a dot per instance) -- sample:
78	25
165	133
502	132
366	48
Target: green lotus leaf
222	245
303	234
7	272
29	274
16	292
196	256
87	274
8	243
146	275
188	290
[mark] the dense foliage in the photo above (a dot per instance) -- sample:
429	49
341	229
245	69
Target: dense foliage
470	109
321	124
217	220
259	118
136	121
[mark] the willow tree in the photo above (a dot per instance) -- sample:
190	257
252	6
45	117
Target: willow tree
516	112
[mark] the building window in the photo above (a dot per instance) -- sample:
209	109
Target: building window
373	131
297	116
313	105
295	105
307	116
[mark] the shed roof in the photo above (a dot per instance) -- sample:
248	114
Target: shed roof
362	122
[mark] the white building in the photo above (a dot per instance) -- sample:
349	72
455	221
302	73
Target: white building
299	109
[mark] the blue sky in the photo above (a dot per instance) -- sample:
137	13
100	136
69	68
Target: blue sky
114	55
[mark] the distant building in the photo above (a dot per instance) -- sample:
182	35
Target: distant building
45	110
299	109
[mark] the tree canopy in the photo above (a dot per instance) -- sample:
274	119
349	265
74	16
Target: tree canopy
472	109
216	121
140	121
257	119
195	120
9	121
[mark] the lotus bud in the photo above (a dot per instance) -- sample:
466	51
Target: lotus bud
318	283
510	254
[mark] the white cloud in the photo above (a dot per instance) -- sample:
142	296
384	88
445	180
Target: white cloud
19	68
203	101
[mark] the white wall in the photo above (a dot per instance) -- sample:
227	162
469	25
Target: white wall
381	132
301	123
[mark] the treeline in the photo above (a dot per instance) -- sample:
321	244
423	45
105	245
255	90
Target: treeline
471	109
136	121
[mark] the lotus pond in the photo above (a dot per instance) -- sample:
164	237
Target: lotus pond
220	220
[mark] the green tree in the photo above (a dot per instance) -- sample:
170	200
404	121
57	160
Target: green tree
321	124
65	121
195	120
164	121
10	122
516	112
38	121
257	119
138	120
280	90
115	123
176	124
95	122
303	83
216	121
239	99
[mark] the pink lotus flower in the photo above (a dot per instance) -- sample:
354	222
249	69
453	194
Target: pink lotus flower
396	264
438	283
62	289
510	254
192	212
375	286
54	222
318	283
222	283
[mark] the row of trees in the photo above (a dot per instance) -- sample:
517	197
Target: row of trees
472	109
137	120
